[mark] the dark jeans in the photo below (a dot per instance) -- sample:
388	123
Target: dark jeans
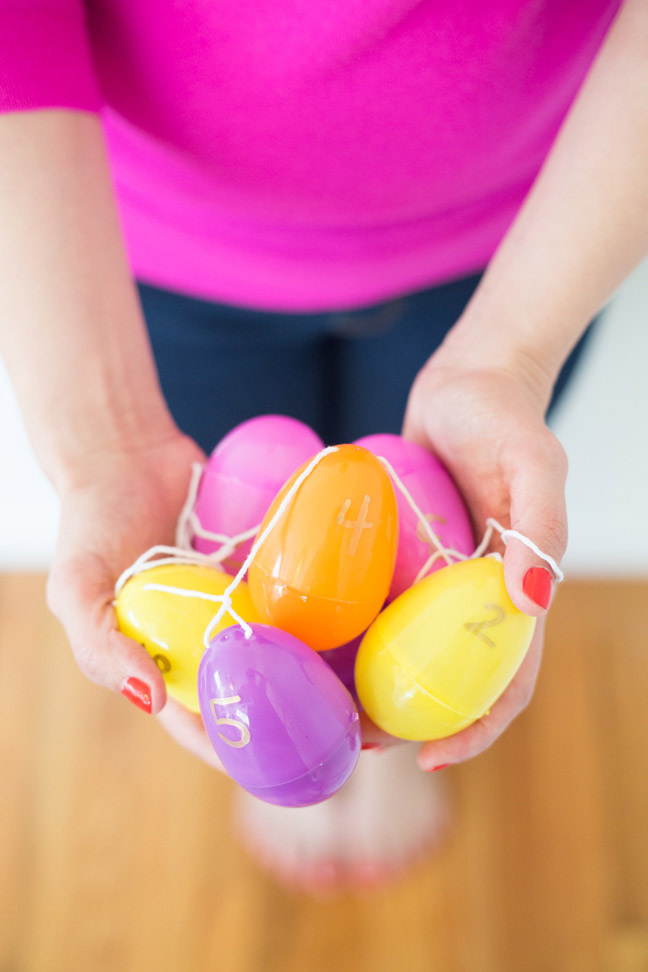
346	374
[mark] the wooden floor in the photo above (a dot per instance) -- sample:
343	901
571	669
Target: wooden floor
116	850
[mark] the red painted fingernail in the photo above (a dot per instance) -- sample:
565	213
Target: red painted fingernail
138	692
537	585
371	746
442	766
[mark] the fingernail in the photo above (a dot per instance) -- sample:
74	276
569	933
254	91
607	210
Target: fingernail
537	585
441	766
371	746
138	692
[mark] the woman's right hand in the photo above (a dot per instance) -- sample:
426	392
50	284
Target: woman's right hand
75	345
113	510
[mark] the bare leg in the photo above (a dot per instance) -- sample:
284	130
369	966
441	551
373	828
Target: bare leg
386	816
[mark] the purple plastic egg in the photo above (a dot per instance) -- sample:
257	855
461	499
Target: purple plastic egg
281	722
342	661
433	490
244	473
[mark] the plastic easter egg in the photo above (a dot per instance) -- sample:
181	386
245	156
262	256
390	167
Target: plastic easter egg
342	661
434	492
437	657
171	626
282	724
244	473
325	568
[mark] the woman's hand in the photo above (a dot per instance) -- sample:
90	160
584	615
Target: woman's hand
113	510
480	400
487	427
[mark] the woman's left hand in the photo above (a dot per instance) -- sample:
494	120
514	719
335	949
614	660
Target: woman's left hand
487	426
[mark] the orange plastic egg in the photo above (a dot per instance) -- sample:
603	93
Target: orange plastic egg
324	571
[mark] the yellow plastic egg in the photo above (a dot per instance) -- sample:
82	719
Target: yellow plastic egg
171	626
437	658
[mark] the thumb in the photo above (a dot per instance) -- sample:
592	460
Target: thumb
80	594
538	512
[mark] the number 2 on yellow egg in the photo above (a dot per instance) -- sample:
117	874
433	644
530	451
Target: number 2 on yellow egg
477	627
223	721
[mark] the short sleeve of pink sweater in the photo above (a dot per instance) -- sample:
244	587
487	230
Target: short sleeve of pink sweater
45	56
309	154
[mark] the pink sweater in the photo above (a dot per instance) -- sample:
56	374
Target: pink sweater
309	154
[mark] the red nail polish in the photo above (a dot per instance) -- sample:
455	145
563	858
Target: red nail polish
371	746
442	766
138	692
537	585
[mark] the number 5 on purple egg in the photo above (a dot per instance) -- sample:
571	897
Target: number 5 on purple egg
224	721
302	723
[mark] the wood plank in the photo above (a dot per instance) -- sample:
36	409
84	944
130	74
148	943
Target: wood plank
117	852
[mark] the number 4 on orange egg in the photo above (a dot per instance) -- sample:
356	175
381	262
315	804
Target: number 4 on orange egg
356	525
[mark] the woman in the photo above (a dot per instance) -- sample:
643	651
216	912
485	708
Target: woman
309	197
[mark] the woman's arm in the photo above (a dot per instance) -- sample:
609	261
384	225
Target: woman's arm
72	332
480	400
78	354
582	228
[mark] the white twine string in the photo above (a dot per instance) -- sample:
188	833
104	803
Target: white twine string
260	540
180	555
441	551
223	599
189	525
188	522
162	556
183	554
166	555
492	524
447	552
183	528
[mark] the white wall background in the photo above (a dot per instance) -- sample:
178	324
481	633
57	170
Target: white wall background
603	424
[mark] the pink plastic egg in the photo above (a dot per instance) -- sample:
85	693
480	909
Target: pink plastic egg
245	471
434	492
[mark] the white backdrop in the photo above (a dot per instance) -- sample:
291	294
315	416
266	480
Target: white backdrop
603	424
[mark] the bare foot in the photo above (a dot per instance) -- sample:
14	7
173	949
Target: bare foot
387	816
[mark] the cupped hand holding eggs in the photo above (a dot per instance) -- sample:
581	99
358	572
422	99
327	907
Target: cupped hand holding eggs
117	505
487	427
327	567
